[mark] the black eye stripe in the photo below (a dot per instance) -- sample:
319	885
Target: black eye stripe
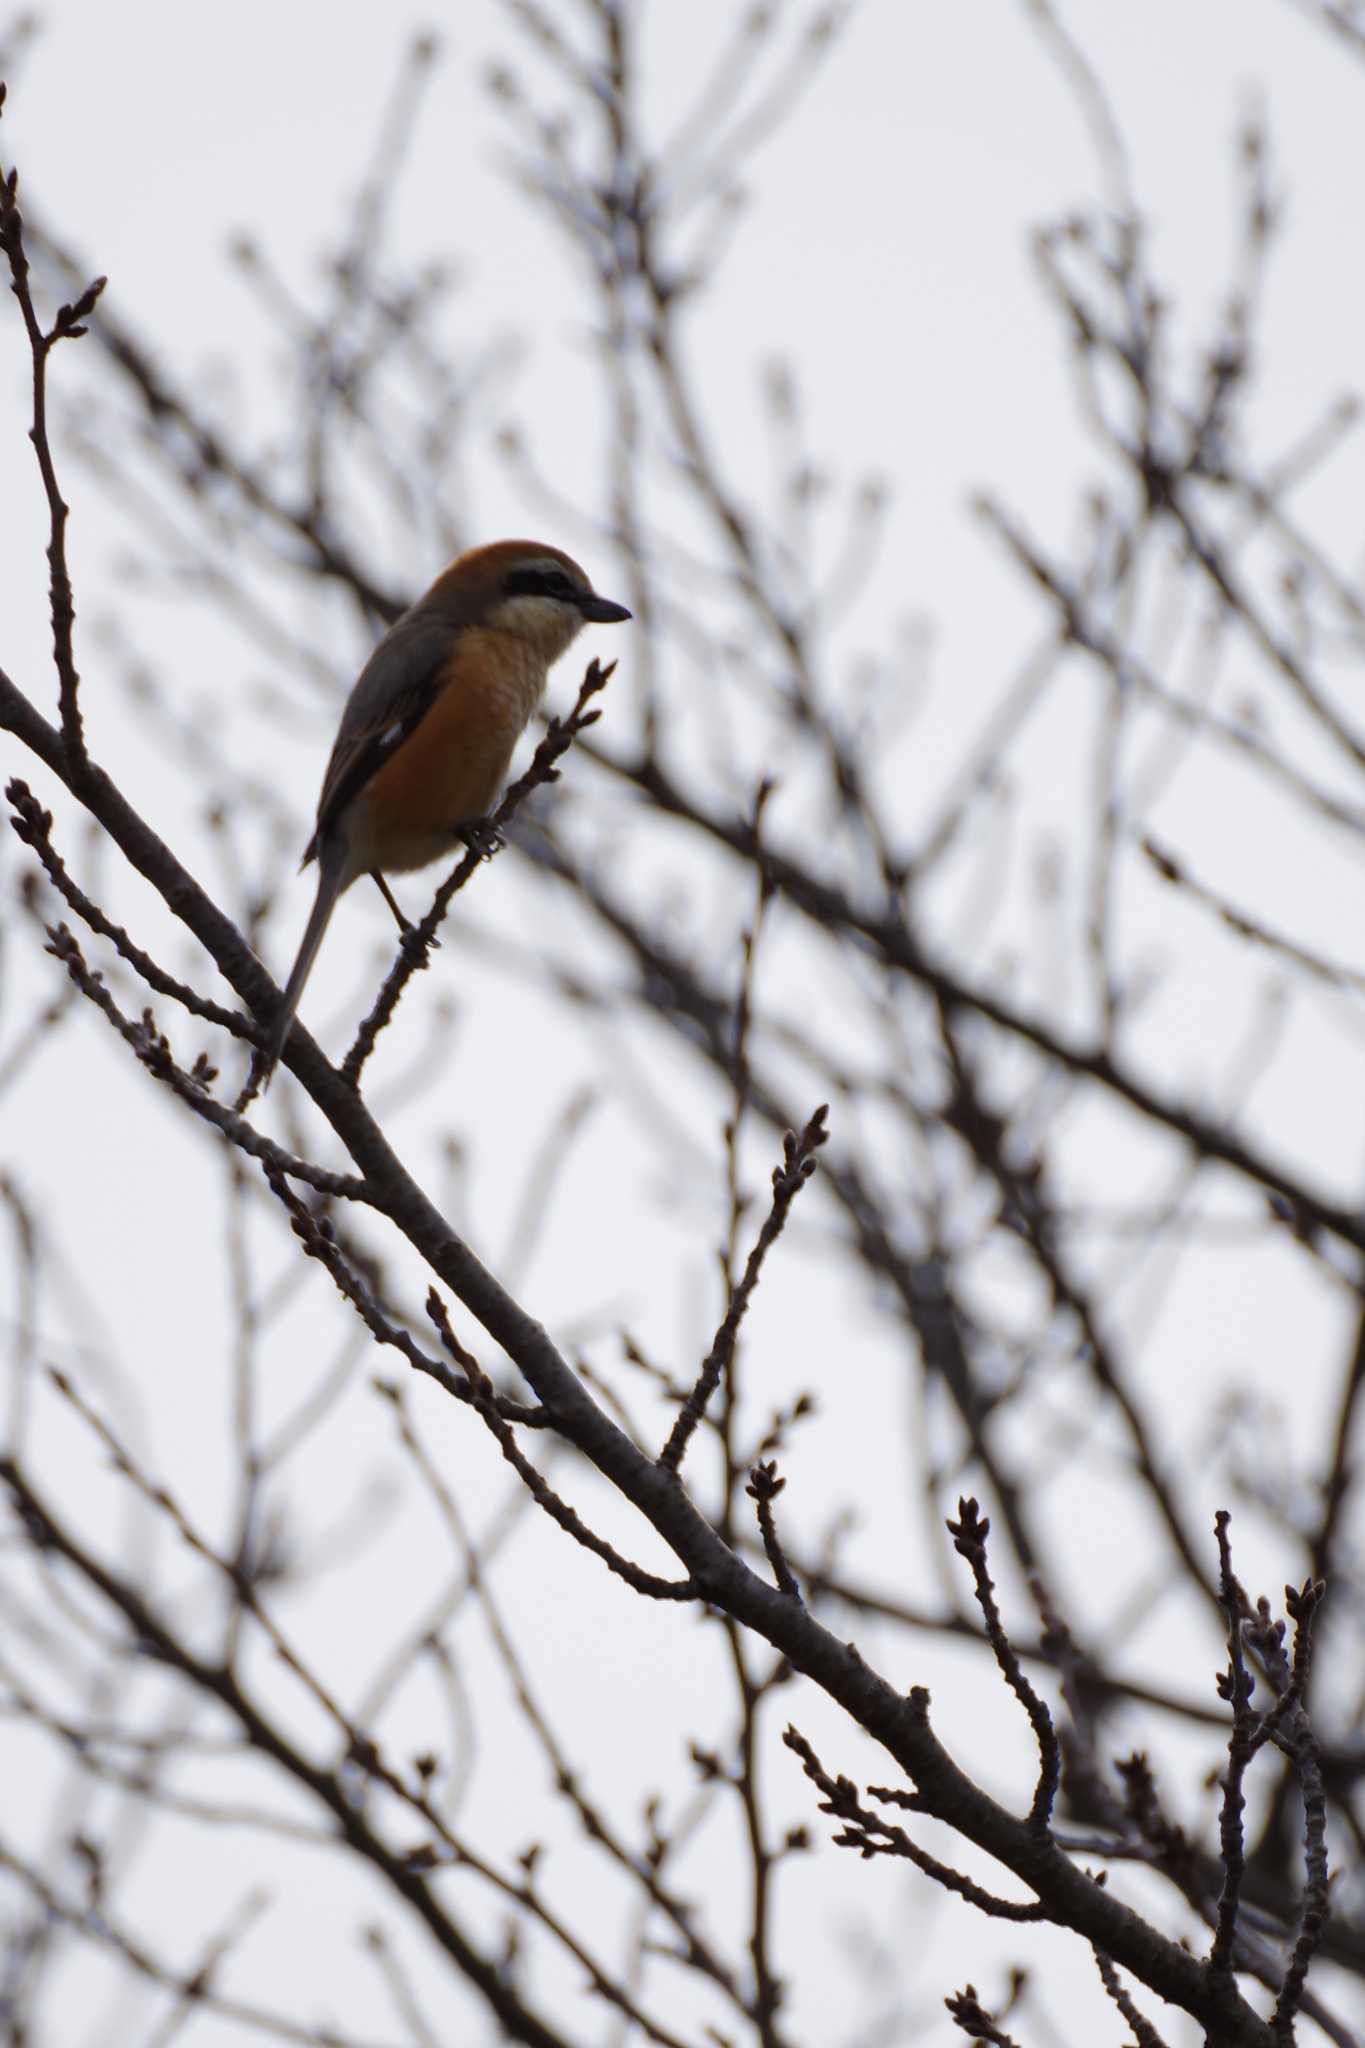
539	583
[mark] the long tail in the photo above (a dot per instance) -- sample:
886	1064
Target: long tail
332	879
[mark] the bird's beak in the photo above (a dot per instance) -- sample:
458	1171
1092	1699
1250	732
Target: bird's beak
602	611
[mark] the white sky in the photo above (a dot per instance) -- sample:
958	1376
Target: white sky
886	250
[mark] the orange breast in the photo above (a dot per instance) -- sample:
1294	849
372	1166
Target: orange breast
450	770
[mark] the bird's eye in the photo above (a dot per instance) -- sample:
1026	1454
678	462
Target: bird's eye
537	582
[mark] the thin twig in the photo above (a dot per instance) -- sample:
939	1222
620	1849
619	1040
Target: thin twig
969	1533
798	1164
415	949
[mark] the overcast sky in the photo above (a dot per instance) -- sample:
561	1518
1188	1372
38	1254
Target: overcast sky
885	247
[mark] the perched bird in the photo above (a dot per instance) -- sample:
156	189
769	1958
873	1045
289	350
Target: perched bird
428	730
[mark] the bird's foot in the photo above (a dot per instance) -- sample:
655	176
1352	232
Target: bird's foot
485	840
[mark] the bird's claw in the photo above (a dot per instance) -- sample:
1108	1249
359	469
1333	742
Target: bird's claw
484	840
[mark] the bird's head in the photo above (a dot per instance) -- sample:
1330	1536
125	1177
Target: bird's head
527	588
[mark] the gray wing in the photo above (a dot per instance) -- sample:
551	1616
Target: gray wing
392	695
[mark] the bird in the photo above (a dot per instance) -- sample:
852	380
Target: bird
427	733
